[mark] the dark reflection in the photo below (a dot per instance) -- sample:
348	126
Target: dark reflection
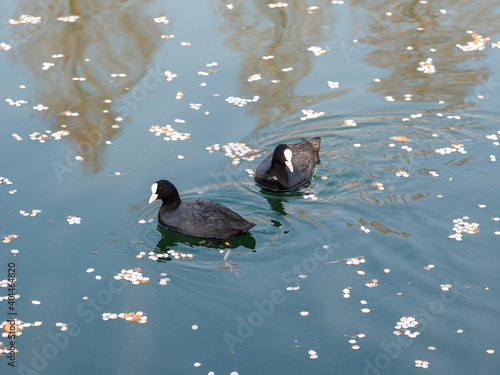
277	224
416	32
111	37
286	34
382	228
171	239
276	203
276	200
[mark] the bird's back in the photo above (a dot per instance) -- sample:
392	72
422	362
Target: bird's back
207	219
304	156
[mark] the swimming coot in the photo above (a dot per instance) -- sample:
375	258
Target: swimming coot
196	217
289	166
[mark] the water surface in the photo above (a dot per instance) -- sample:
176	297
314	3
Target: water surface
408	153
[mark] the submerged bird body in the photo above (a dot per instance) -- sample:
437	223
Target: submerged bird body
196	217
289	166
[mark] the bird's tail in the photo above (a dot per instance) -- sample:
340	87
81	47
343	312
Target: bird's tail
316	142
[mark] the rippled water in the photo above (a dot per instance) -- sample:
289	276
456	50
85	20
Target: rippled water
408	157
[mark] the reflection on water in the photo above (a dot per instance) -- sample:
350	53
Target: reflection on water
406	34
277	200
171	239
382	228
273	40
80	89
116	38
384	192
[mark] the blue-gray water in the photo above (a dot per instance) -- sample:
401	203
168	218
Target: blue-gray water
421	155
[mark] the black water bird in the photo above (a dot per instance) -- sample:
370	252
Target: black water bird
289	166
196	217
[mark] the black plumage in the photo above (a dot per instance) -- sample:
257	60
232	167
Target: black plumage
196	217
289	166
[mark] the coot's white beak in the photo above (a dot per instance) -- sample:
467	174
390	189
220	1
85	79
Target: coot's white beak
288	159
154	196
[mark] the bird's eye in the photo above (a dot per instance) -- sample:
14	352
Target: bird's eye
160	188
